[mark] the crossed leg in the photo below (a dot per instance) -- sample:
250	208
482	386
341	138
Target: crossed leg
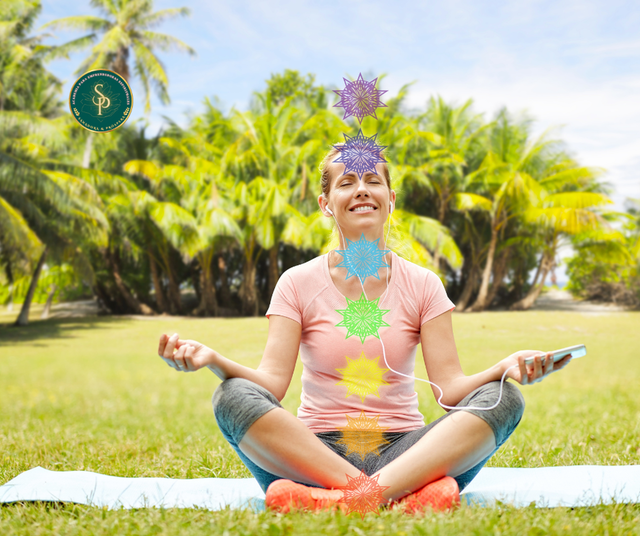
275	444
281	444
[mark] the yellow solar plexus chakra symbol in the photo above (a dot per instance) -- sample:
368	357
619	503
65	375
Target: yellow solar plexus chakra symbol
362	376
363	435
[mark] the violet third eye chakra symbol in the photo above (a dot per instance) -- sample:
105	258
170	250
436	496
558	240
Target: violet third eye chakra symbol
360	98
360	154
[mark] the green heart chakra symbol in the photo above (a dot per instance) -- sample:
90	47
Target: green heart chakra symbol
101	100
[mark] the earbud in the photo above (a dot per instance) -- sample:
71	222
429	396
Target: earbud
329	211
390	207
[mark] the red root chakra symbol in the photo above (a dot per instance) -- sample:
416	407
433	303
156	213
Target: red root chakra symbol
363	494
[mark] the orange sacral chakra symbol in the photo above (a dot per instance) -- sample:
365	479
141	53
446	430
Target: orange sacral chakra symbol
363	435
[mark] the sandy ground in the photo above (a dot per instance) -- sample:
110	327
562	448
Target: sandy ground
561	300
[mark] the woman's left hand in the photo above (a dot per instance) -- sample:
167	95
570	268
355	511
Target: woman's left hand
526	374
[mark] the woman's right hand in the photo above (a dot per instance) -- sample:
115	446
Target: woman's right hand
184	355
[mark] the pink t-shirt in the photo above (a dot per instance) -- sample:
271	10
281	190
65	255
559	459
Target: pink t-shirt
343	376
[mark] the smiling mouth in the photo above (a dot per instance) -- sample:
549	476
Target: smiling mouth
362	209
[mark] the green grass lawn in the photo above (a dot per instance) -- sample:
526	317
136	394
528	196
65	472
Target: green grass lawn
91	394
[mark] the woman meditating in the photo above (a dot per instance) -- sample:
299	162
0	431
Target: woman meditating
356	316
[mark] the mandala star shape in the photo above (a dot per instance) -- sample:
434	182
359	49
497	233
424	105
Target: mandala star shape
362	318
362	376
363	435
360	98
360	153
362	258
363	494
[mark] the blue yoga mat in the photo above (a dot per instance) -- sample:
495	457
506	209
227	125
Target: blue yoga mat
580	485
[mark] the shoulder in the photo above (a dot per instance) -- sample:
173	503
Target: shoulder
410	272
301	272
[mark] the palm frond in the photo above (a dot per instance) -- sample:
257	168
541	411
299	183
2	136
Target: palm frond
164	42
468	201
577	200
80	22
154	71
161	15
15	233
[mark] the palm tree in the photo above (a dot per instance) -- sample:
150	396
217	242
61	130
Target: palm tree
560	214
436	155
506	175
270	162
43	212
125	31
194	175
24	81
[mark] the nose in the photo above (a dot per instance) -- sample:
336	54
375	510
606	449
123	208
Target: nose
362	189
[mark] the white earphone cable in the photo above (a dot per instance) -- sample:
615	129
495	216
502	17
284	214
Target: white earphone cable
384	353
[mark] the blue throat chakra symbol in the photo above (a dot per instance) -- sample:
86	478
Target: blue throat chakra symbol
360	98
360	154
362	258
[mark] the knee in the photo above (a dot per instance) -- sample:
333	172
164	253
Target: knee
228	395
237	403
509	411
513	401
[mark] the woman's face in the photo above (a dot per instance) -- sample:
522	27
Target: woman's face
358	204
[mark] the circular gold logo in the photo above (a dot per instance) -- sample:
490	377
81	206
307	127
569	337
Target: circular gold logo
101	100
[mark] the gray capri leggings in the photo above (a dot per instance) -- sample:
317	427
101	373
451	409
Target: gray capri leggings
238	403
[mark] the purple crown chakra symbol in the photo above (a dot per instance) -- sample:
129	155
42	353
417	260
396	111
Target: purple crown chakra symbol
360	154
360	98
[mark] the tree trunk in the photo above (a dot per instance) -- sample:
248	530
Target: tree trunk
274	272
225	292
499	271
47	306
175	302
527	302
107	298
481	301
248	290
88	147
132	302
23	317
161	300
468	289
538	272
208	303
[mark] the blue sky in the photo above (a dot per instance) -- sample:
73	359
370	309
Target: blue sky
573	65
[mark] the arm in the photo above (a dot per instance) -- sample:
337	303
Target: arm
274	372
443	365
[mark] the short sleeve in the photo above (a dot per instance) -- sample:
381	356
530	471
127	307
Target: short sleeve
284	301
435	300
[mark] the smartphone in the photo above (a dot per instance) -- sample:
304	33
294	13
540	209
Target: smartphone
579	350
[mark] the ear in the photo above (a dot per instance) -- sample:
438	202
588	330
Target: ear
323	202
